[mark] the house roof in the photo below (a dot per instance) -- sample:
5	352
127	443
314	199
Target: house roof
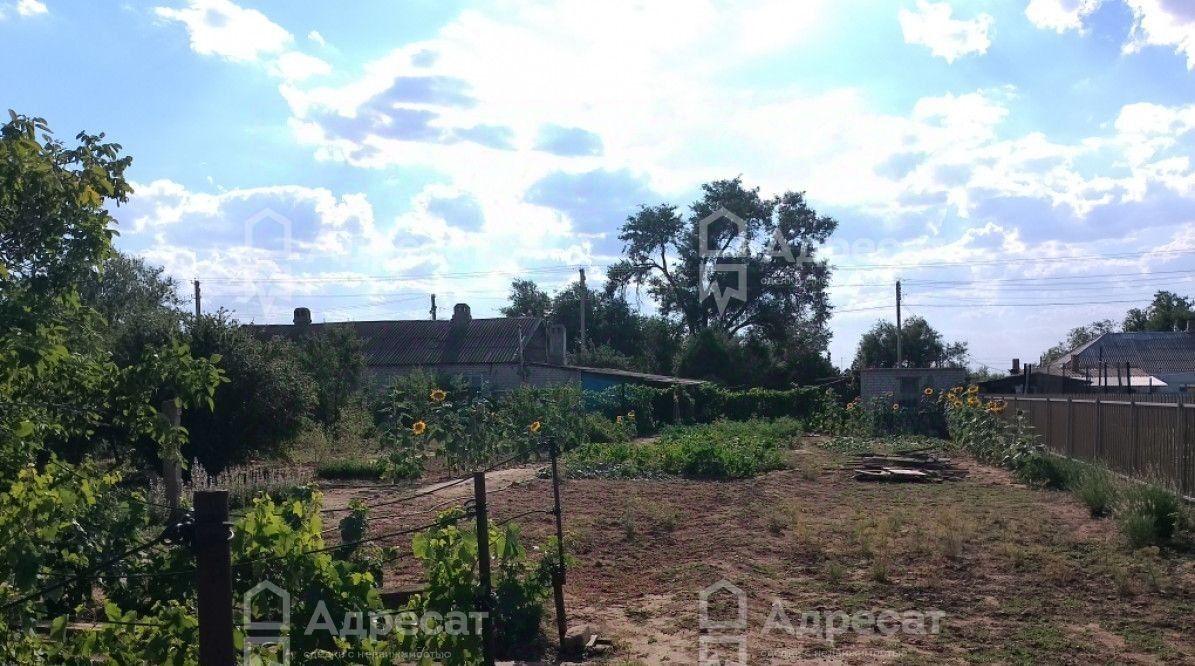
426	342
1153	353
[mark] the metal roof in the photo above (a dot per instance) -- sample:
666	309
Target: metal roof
426	342
1152	352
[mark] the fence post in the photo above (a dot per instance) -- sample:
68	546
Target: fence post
1099	432
1135	455
483	568
559	572
1070	427
1049	438
213	578
1184	449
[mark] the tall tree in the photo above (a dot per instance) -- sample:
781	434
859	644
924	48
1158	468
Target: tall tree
1167	312
922	346
526	300
785	285
1077	337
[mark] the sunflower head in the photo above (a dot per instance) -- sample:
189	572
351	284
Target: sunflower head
928	391
896	406
973	401
973	389
618	419
438	395
631	414
850	406
535	426
956	390
418	427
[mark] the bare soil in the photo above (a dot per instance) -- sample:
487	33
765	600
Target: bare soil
1022	576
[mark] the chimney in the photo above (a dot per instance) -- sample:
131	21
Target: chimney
302	316
557	345
461	314
1016	366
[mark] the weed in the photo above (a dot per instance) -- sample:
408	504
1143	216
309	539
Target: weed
1123	578
835	572
1095	487
1150	515
349	469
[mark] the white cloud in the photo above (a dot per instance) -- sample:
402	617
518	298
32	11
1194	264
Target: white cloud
316	38
31	8
221	28
296	66
1060	15
1163	23
931	25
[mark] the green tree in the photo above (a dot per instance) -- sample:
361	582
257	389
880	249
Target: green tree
922	346
785	285
334	361
1167	312
1075	338
58	382
527	300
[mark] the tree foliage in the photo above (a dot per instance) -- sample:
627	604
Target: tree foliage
1167	312
922	346
1077	337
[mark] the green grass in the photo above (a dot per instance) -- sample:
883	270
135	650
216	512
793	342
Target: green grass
349	469
1150	515
1096	488
722	451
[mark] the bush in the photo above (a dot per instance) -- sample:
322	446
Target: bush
1048	471
1150	515
350	469
262	405
1095	487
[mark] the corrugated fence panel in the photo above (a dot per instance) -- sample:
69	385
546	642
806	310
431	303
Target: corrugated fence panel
1137	435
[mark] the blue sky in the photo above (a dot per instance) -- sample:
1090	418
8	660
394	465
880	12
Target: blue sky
1024	167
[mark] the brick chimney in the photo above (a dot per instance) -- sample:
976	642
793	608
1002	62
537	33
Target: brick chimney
461	315
557	345
302	316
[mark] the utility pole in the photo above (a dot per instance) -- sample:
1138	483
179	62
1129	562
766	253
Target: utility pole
433	307
584	307
198	307
899	355
213	578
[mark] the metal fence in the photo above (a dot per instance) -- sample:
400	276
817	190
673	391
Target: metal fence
1138	436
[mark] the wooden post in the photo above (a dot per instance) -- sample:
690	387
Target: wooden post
558	573
483	569
213	578
172	472
1049	438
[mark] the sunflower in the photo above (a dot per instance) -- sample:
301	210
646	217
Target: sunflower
418	427
535	426
973	389
972	401
438	395
928	391
631	414
957	389
618	419
896	406
850	406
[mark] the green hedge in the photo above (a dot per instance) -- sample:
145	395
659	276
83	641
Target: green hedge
705	403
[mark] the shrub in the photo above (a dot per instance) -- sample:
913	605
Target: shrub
1046	470
1095	487
350	469
1150	515
724	450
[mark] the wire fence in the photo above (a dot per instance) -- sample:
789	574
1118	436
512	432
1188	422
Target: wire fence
1134	435
207	532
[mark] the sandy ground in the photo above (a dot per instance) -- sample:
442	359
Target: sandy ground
1020	575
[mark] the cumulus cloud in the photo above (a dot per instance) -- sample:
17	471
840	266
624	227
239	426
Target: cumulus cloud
932	25
1163	23
222	28
568	141
1060	15
23	8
